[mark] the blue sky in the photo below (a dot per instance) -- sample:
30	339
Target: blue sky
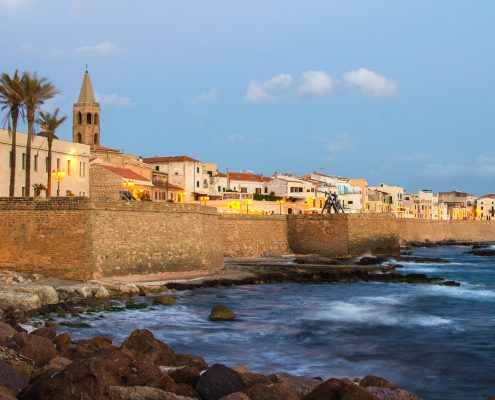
400	92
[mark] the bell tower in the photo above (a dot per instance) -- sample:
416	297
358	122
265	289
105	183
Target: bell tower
86	115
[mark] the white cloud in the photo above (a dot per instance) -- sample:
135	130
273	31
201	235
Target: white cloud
114	100
100	49
209	96
11	3
481	170
315	83
259	92
370	83
340	144
237	138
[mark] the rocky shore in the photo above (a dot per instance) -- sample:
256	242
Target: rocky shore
44	365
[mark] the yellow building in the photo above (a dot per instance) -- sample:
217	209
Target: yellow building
485	209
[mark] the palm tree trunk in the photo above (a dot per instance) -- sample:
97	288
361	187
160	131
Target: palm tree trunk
30	120
49	172
13	152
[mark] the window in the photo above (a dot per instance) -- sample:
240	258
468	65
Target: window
157	168
23	191
47	167
350	202
79	138
197	184
266	190
68	167
36	162
243	190
88	118
258	190
23	161
82	169
79	119
95	139
58	164
197	170
95	119
219	188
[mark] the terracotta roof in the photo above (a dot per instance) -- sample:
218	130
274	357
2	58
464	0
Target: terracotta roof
221	174
158	160
491	196
171	186
97	147
124	172
241	176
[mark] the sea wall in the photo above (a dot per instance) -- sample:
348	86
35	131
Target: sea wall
253	235
416	230
343	235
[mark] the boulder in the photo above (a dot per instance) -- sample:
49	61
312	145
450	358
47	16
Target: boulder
98	342
377	381
300	385
7	330
141	393
165	300
339	389
19	300
218	381
100	292
142	341
55	364
240	369
62	341
6	393
271	391
187	391
36	348
149	289
17	361
75	291
191	360
48	332
11	378
251	379
382	393
187	375
46	293
236	396
221	313
121	289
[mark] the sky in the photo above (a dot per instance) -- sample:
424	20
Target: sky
399	92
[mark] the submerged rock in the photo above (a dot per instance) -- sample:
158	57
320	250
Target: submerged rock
221	313
166	300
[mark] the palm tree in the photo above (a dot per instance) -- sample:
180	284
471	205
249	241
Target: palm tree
11	98
36	92
50	123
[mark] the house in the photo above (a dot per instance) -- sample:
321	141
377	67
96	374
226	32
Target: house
395	198
292	188
486	207
247	182
72	159
460	205
378	201
192	175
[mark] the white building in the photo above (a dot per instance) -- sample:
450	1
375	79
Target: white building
291	187
250	183
72	158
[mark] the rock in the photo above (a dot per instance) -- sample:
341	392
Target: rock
6	393
221	313
148	289
271	391
240	369
192	361
75	291
382	393
187	391
218	381
120	289
482	252
187	375
17	361
19	300
377	381
62	341
11	378
46	293
339	389
166	300
371	260
98	342
55	364
319	260
236	396
49	333
251	379
141	393
100	292
300	385
36	348
7	330
142	341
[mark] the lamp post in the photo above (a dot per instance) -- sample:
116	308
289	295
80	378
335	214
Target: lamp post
204	199
280	203
58	175
247	202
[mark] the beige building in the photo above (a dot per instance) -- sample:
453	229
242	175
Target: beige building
486	207
71	158
395	198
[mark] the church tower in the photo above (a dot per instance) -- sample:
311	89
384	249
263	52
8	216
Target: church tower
86	115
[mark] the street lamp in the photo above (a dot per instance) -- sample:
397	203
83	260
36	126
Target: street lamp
58	175
247	202
204	199
280	203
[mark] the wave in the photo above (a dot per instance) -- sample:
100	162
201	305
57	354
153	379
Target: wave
369	314
465	291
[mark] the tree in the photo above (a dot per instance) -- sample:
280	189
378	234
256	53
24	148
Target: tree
11	98
50	123
36	91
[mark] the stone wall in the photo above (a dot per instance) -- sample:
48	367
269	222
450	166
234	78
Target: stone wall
343	235
105	185
253	235
415	230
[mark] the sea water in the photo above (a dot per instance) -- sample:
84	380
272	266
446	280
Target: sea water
435	341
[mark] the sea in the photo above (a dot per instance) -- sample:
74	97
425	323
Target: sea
435	341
